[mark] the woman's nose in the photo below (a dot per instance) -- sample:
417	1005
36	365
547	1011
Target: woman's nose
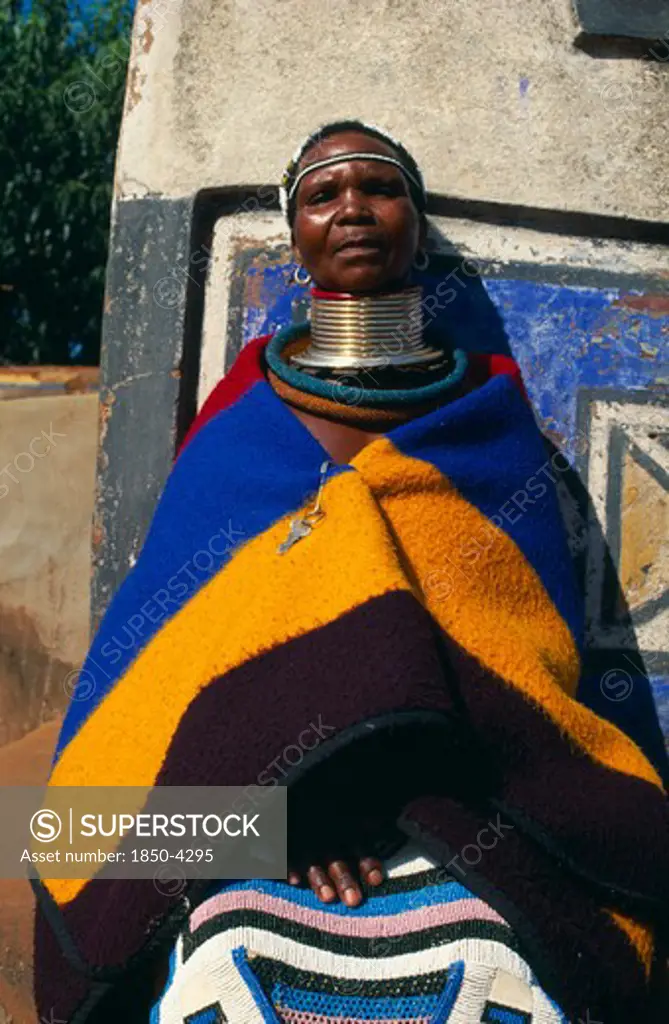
354	206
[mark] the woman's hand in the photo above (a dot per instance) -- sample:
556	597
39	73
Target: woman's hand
338	881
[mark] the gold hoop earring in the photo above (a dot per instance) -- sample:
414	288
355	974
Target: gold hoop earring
300	280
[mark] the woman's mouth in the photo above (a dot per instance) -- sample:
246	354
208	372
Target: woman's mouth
359	248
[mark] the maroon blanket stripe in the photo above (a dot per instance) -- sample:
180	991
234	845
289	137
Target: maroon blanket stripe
366	668
587	813
581	958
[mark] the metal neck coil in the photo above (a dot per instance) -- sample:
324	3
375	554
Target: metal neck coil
349	331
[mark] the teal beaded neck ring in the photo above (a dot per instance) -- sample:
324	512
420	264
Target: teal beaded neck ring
373	397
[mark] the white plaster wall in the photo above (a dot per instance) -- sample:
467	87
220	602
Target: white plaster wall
491	96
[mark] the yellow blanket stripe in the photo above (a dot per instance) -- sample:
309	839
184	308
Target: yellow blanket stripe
496	607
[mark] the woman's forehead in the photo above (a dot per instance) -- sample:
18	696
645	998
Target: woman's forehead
343	143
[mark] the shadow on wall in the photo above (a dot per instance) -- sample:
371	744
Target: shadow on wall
33	683
47	448
615	682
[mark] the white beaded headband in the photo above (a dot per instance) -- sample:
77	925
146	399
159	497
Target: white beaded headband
351	156
285	196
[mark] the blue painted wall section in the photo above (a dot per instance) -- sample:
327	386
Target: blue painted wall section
574	333
564	336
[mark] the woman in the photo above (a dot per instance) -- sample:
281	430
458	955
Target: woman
464	835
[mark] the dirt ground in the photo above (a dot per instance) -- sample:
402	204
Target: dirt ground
22	763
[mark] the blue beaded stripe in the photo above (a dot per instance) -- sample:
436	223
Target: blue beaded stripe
372	396
378	906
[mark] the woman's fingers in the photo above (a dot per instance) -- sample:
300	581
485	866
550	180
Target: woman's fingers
338	880
321	883
371	870
348	889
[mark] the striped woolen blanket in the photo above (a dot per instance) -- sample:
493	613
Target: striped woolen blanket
422	949
413	593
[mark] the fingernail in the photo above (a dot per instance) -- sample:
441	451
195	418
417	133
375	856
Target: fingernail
350	897
375	877
326	892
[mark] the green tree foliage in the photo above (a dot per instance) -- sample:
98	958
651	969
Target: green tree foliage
62	80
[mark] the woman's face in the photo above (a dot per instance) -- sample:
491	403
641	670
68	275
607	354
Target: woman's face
356	228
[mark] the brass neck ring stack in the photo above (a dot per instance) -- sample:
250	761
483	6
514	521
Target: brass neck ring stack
350	332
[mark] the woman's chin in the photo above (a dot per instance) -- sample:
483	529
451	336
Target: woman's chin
361	280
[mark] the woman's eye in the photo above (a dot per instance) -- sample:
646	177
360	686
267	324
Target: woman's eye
388	188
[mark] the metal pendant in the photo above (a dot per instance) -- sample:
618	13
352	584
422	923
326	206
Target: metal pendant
303	525
299	528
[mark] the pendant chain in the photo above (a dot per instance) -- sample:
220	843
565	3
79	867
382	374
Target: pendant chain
302	526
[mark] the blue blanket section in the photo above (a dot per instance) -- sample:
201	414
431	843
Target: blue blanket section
489	446
221	493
